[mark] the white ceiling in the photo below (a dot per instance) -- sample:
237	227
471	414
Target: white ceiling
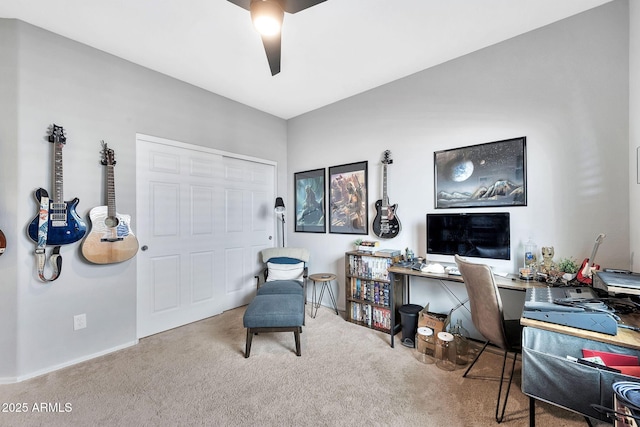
329	52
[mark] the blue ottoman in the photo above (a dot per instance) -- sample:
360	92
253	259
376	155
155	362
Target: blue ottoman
274	313
281	287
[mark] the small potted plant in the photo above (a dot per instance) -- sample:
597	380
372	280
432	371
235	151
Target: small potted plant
569	267
357	244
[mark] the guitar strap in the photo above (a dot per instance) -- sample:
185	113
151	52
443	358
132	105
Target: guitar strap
43	229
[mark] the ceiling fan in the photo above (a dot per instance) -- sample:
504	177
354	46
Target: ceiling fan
267	16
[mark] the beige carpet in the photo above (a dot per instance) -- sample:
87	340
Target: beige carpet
348	375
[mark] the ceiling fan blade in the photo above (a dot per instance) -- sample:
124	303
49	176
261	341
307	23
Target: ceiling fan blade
273	49
289	6
272	44
245	4
293	6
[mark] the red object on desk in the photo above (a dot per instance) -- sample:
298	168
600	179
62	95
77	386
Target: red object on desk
588	265
633	371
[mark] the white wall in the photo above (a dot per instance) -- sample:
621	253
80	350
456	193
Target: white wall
564	87
634	131
8	198
94	96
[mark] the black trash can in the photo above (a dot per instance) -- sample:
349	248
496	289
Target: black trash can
409	321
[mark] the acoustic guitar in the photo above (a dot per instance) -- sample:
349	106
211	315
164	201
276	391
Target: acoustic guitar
110	239
386	224
64	226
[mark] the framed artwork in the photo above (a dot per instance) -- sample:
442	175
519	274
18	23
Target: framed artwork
310	201
348	199
484	175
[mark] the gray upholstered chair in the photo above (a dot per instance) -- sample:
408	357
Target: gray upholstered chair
279	304
488	318
285	272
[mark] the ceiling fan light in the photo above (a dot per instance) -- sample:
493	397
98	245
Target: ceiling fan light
267	16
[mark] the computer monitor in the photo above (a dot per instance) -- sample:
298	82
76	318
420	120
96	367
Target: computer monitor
481	235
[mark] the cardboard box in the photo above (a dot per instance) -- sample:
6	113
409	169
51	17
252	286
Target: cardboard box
435	321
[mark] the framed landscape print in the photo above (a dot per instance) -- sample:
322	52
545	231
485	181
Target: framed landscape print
348	199
484	175
310	201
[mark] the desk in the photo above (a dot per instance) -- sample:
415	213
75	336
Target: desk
404	275
547	375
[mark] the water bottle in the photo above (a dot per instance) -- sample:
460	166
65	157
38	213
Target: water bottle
530	253
461	339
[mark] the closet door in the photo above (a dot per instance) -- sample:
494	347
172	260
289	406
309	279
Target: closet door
200	226
249	218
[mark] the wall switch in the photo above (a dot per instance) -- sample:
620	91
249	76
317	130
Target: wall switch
79	321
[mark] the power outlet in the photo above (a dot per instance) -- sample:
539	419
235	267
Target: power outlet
79	321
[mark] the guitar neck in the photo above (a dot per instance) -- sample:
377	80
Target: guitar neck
111	192
385	198
596	245
58	197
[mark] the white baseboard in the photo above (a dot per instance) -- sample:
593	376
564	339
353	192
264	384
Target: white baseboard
11	380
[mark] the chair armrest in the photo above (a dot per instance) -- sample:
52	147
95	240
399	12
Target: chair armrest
263	273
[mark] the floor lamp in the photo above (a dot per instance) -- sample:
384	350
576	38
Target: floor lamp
280	209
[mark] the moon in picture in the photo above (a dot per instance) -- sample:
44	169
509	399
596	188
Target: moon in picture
461	170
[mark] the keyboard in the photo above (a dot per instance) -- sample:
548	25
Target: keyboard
555	305
551	299
453	271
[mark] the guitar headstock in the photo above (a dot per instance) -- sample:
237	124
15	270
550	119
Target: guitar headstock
386	158
56	134
108	155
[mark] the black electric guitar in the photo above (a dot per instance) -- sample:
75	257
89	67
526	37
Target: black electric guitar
64	224
111	239
386	224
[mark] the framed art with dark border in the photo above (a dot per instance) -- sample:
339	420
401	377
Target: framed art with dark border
309	191
483	175
348	213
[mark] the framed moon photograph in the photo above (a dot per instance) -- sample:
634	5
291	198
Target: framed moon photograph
483	175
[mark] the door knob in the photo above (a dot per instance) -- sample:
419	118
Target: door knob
144	248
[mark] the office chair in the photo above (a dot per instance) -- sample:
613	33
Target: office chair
488	318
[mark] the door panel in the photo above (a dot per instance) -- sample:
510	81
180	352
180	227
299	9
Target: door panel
203	273
249	223
164	283
202	217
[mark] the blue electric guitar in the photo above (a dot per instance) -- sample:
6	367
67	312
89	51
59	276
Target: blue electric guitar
64	226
